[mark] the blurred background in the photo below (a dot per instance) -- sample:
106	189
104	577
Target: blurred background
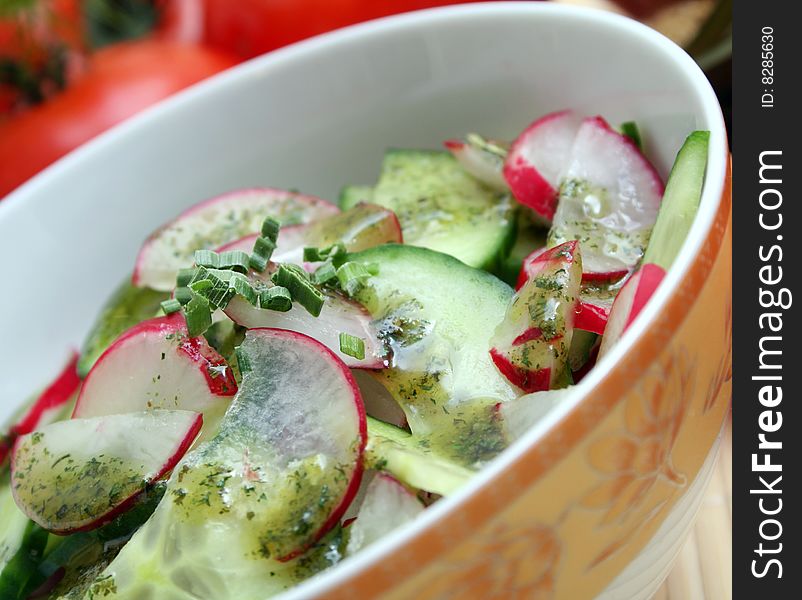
70	69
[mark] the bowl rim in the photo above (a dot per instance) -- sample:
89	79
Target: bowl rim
714	188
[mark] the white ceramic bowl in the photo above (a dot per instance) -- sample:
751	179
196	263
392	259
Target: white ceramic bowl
318	115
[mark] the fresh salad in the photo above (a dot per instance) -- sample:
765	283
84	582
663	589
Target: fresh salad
283	381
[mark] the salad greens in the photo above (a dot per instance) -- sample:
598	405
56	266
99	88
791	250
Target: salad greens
220	448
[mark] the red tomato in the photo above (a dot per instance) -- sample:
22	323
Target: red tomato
119	81
252	27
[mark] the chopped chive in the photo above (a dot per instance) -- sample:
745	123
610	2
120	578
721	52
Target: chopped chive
207	258
276	298
201	286
352	276
270	228
213	285
219	274
219	295
352	345
170	306
262	251
185	276
320	254
241	286
183	294
630	129
264	247
243	362
258	263
198	313
234	260
324	273
313	255
303	291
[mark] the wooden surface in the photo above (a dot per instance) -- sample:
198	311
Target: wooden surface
703	570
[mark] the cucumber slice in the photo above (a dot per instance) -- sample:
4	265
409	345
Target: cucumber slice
127	307
351	195
437	315
680	201
444	208
404	456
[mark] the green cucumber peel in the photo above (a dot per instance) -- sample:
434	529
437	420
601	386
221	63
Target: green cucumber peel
402	455
680	201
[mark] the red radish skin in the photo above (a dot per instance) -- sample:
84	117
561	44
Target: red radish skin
533	333
206	382
591	317
630	302
187	436
651	276
528	381
168	249
45	407
605	277
536	159
220	383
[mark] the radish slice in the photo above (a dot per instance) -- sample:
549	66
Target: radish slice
156	365
609	199
484	159
215	222
46	408
595	302
629	302
592	314
519	415
537	159
386	506
595	297
530	346
361	227
338	315
287	460
77	475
